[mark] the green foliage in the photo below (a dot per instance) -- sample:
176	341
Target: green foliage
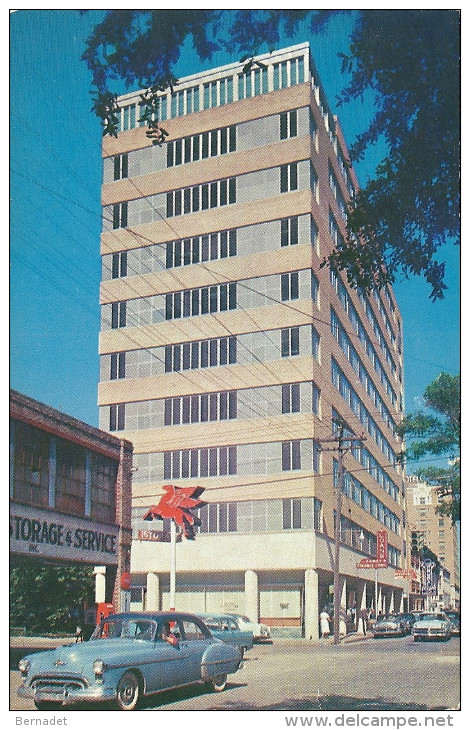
406	60
438	434
409	61
44	597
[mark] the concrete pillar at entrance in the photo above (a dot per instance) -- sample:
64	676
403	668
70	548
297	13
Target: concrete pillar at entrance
251	595
100	583
311	615
380	600
388	600
153	592
342	611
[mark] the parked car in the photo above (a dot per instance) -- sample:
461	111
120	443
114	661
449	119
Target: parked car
389	625
432	626
225	628
129	656
407	621
454	618
260	632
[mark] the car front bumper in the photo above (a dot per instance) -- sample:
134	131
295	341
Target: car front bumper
64	695
431	633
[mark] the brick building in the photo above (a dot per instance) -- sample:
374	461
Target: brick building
227	351
70	494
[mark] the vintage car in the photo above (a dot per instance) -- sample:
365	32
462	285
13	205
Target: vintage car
454	618
407	621
388	625
260	632
432	626
225	628
128	656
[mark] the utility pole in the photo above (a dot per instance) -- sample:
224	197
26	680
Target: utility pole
344	443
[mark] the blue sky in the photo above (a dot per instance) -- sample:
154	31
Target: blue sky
55	161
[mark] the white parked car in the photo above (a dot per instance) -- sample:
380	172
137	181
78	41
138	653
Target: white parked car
432	626
261	632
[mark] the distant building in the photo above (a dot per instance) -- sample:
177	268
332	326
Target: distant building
228	352
70	494
436	532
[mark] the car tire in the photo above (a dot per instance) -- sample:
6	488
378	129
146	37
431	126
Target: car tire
128	692
219	683
47	705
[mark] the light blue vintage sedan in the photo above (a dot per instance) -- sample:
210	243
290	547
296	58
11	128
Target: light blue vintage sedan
227	629
431	626
129	656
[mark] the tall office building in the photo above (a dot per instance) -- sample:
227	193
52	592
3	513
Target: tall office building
227	352
436	532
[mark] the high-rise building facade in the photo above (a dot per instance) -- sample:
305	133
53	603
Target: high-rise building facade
228	352
435	531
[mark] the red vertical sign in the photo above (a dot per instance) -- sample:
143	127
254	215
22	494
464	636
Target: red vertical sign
382	548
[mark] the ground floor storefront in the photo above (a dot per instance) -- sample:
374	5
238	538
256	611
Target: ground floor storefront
285	584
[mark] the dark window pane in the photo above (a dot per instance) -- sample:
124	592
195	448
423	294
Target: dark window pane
296	454
223	406
232	350
187	303
196	252
213	462
213	399
169	254
233	139
286	403
232	404
223	460
284	232
286	462
295	345
232	460
194	463
204	462
204	300
185	464
286	514
186	356
223	351
168	358
213	353
195	302
167	416
233	242
194	355
205	248
113	366
296	514
213	299
204	407
283	125
176	358
194	409
295	398
204	354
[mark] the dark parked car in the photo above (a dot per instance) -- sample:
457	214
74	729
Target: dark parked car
407	620
389	625
128	656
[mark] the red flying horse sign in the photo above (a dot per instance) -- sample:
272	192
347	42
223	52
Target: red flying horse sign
176	505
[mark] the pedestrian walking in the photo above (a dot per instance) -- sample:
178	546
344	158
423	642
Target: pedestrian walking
324	624
364	620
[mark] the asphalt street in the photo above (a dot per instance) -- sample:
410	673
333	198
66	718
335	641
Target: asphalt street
294	675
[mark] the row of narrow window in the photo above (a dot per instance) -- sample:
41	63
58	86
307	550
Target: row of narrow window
206	196
216	352
212	143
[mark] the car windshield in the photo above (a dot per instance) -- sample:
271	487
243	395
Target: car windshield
125	628
395	619
432	617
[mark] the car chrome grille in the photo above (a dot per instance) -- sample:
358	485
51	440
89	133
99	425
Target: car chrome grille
57	685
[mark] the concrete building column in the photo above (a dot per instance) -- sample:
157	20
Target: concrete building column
311	614
251	595
343	607
100	583
153	592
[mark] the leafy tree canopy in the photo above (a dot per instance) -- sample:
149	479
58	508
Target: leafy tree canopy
45	597
407	59
438	434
